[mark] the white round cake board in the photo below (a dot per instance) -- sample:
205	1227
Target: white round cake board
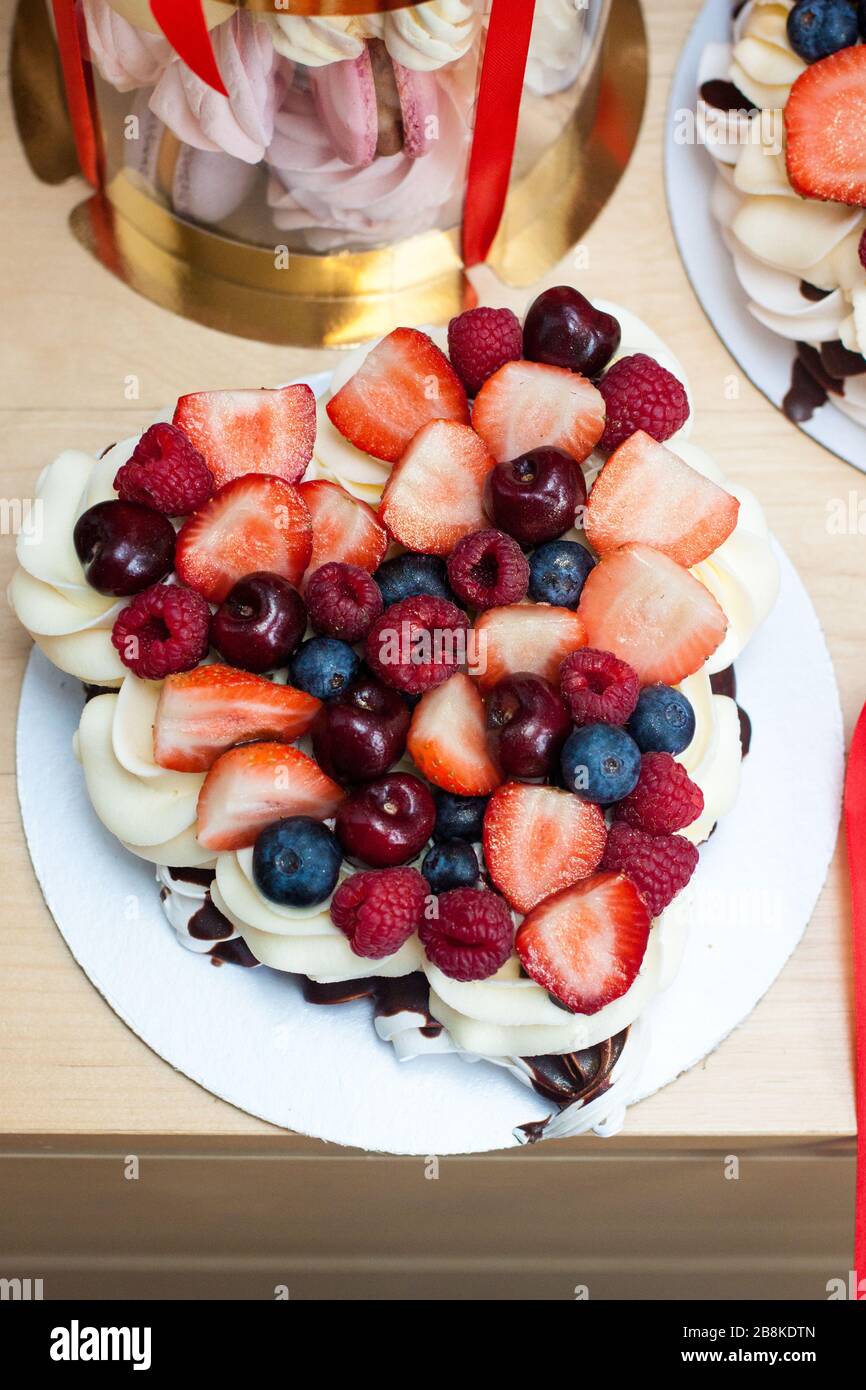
690	174
249	1036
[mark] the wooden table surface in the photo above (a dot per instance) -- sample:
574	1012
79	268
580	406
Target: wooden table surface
68	1066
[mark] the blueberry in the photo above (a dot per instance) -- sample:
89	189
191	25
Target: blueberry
558	571
863	19
323	667
296	862
600	763
663	721
459	817
408	575
451	864
817	28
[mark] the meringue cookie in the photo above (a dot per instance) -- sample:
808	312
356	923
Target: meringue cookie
241	124
318	41
429	36
139	13
125	55
557	45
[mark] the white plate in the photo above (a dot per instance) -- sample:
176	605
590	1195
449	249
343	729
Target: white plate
689	177
248	1035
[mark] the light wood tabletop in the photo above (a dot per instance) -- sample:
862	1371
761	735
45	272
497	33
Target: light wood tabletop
73	335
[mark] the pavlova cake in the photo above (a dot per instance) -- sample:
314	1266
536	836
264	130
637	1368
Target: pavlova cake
783	113
423	692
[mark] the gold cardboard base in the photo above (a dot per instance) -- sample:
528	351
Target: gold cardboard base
342	299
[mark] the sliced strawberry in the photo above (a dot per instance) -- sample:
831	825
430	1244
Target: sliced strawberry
401	385
529	405
254	523
533	637
825	129
249	787
538	840
448	739
344	528
586	944
251	431
203	712
646	493
648	610
434	495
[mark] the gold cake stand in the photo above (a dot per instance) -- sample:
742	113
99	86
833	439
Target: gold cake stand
340	299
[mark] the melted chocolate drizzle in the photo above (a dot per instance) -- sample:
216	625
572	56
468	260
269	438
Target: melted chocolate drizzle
725	96
725	683
818	374
409	994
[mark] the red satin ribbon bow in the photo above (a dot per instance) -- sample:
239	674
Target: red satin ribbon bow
855	830
496	116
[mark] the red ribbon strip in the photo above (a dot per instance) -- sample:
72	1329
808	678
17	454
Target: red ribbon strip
79	94
855	830
496	115
182	22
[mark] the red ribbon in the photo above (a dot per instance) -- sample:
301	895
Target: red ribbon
496	116
79	93
855	830
182	22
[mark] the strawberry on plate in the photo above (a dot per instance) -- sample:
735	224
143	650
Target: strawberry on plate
344	528
253	523
538	840
649	611
531	637
434	496
646	493
530	405
825	129
249	787
402	384
586	944
448	739
251	431
203	712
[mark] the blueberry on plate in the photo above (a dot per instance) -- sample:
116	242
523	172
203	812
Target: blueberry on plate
817	28
323	667
459	817
451	864
600	763
558	572
663	720
408	575
296	862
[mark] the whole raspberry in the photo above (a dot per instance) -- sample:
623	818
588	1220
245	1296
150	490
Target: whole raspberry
640	394
343	601
164	630
480	342
378	911
665	798
166	472
598	688
488	570
472	935
659	866
417	643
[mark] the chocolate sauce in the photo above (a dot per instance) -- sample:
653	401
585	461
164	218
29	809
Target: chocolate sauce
840	362
725	683
409	994
576	1076
209	924
235	952
203	877
725	96
805	395
812	292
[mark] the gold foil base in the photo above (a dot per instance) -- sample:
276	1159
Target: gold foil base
38	99
342	299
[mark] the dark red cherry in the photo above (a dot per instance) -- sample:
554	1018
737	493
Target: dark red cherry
362	733
123	547
535	497
260	624
527	725
386	822
564	329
